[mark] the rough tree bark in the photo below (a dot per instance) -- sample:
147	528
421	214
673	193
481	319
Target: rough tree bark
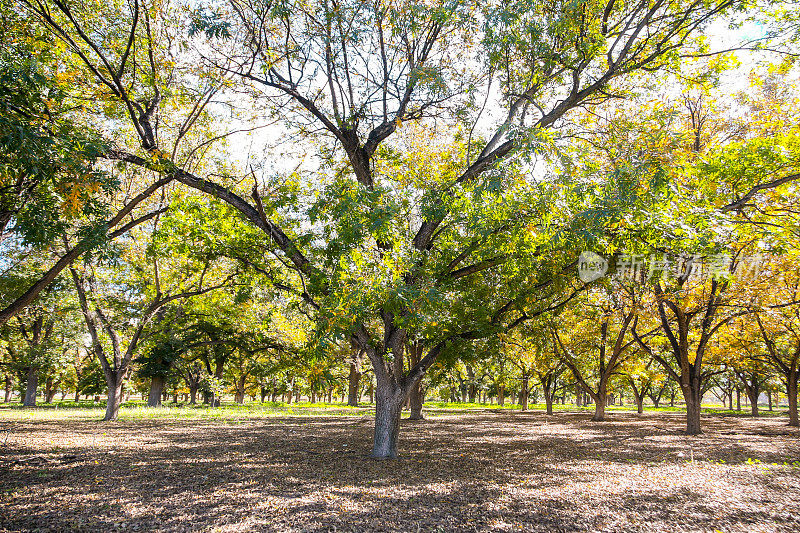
354	379
416	396
7	388
31	386
156	390
791	396
114	383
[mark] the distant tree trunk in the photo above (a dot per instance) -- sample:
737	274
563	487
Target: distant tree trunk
548	400
730	401
31	386
599	405
791	396
416	395
156	391
297	396
501	395
753	393
175	396
523	392
114	396
769	399
578	395
738	400
353	383
238	396
371	390
7	388
672	399
638	396
49	390
416	399
693	397
193	393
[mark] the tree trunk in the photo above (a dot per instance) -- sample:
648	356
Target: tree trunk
156	390
416	396
7	387
599	407
389	401
578	395
353	383
193	394
238	397
49	390
501	395
769	399
523	393
31	386
415	399
638	396
753	393
693	398
114	397
791	395
738	400
548	399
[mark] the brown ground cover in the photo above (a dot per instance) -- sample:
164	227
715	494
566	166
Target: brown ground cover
486	471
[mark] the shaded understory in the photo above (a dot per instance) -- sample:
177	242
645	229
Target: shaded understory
489	471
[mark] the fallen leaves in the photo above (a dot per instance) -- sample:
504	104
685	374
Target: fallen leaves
458	472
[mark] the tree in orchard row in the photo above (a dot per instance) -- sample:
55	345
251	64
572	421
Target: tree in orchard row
695	253
592	358
123	302
425	242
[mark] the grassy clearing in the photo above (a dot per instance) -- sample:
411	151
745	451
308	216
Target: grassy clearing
137	410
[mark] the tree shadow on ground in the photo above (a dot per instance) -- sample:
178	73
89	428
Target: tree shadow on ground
484	471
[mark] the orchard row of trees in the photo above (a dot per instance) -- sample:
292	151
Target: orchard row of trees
265	188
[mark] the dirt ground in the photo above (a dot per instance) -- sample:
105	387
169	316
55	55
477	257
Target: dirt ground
486	471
